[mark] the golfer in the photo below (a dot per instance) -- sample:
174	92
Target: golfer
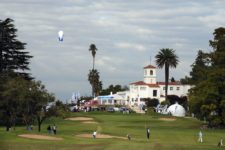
148	132
200	139
94	134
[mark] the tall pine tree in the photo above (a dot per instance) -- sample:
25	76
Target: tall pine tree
13	59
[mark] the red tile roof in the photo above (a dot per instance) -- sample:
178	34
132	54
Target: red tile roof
143	83
149	66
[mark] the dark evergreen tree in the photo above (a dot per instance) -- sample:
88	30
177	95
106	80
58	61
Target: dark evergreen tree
218	45
172	79
200	68
13	59
207	98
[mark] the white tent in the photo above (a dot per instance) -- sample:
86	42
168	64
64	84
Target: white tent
176	110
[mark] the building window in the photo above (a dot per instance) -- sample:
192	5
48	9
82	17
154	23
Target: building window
178	88
171	88
142	88
145	72
164	88
154	93
151	72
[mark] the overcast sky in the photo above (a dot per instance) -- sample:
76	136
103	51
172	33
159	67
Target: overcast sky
127	33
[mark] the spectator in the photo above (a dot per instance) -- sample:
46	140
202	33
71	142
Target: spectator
54	129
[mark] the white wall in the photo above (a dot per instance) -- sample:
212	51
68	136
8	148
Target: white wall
183	90
148	77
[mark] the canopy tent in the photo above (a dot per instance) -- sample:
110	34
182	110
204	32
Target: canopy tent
176	110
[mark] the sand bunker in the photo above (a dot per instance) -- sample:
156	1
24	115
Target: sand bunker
79	119
42	137
100	136
90	122
167	119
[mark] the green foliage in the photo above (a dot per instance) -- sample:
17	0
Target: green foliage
180	100
151	102
94	79
218	56
200	68
165	103
93	50
59	110
93	76
113	89
13	96
168	59
23	100
208	75
185	80
13	58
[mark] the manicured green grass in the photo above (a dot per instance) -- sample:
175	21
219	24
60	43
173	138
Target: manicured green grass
180	134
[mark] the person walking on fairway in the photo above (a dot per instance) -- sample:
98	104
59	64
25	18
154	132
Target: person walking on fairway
148	133
94	134
128	137
200	139
54	129
49	129
220	144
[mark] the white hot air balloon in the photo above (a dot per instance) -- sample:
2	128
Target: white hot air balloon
60	34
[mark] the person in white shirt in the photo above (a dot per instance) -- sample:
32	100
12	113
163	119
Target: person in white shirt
200	139
94	134
148	133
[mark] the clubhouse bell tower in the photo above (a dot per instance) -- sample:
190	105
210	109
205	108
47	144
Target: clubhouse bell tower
150	74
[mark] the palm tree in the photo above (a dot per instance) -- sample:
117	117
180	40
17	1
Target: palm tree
93	78
93	50
168	59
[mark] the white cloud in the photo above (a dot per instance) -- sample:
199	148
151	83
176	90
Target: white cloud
137	47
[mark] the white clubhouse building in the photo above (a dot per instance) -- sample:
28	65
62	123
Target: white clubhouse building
148	88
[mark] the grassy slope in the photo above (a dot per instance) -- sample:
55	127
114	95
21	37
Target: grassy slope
175	135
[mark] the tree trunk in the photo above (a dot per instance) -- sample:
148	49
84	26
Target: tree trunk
166	80
93	62
39	127
39	124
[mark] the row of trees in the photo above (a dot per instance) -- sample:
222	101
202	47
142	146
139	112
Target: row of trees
22	99
207	98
